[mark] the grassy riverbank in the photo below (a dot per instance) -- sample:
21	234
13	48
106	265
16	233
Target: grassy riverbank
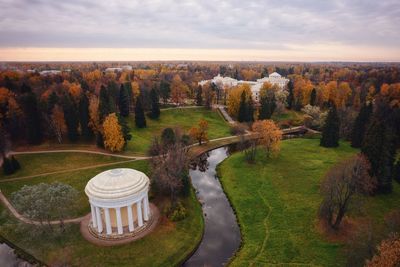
276	201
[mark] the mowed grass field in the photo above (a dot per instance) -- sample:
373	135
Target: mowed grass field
289	117
169	244
277	202
183	118
33	164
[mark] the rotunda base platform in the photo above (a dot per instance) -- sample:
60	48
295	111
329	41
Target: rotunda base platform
91	235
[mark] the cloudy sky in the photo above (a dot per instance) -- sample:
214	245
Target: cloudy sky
200	29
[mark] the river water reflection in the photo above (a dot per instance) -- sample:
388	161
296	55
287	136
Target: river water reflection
221	234
9	259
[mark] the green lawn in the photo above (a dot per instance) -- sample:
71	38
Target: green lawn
289	117
166	246
276	201
32	164
183	118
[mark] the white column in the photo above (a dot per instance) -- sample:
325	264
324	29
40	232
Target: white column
139	213
130	219
119	221
93	212
145	209
99	222
147	205
108	222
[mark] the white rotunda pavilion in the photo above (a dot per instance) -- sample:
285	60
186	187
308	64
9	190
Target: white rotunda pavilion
119	202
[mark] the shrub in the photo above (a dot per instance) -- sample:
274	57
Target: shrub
314	118
185	139
177	212
168	137
7	166
15	164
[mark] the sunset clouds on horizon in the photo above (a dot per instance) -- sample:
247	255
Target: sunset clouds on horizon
301	30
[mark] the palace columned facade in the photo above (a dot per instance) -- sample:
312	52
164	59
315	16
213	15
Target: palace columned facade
228	82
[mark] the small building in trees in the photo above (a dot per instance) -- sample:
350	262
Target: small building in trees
119	203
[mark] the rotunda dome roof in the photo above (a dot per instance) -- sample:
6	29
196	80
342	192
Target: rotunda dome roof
117	184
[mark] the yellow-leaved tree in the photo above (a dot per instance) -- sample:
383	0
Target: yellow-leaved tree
57	123
343	95
302	91
94	118
135	90
269	136
234	98
74	89
112	133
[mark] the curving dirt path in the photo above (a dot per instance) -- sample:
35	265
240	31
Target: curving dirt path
78	151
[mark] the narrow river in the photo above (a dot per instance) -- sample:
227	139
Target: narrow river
221	234
9	258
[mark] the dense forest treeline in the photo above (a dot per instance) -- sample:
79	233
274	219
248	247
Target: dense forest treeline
90	103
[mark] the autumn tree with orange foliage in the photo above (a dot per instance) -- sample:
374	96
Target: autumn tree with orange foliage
269	136
94	79
74	89
388	253
391	94
339	94
199	133
249	75
113	136
9	107
302	92
179	90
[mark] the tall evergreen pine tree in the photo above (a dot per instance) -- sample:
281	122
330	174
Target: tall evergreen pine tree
51	102
290	98
242	115
126	132
123	101
396	168
313	97
360	125
268	106
140	119
199	96
330	131
84	117
379	149
71	118
155	105
250	110
32	117
104	103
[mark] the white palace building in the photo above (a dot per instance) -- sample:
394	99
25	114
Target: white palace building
228	82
